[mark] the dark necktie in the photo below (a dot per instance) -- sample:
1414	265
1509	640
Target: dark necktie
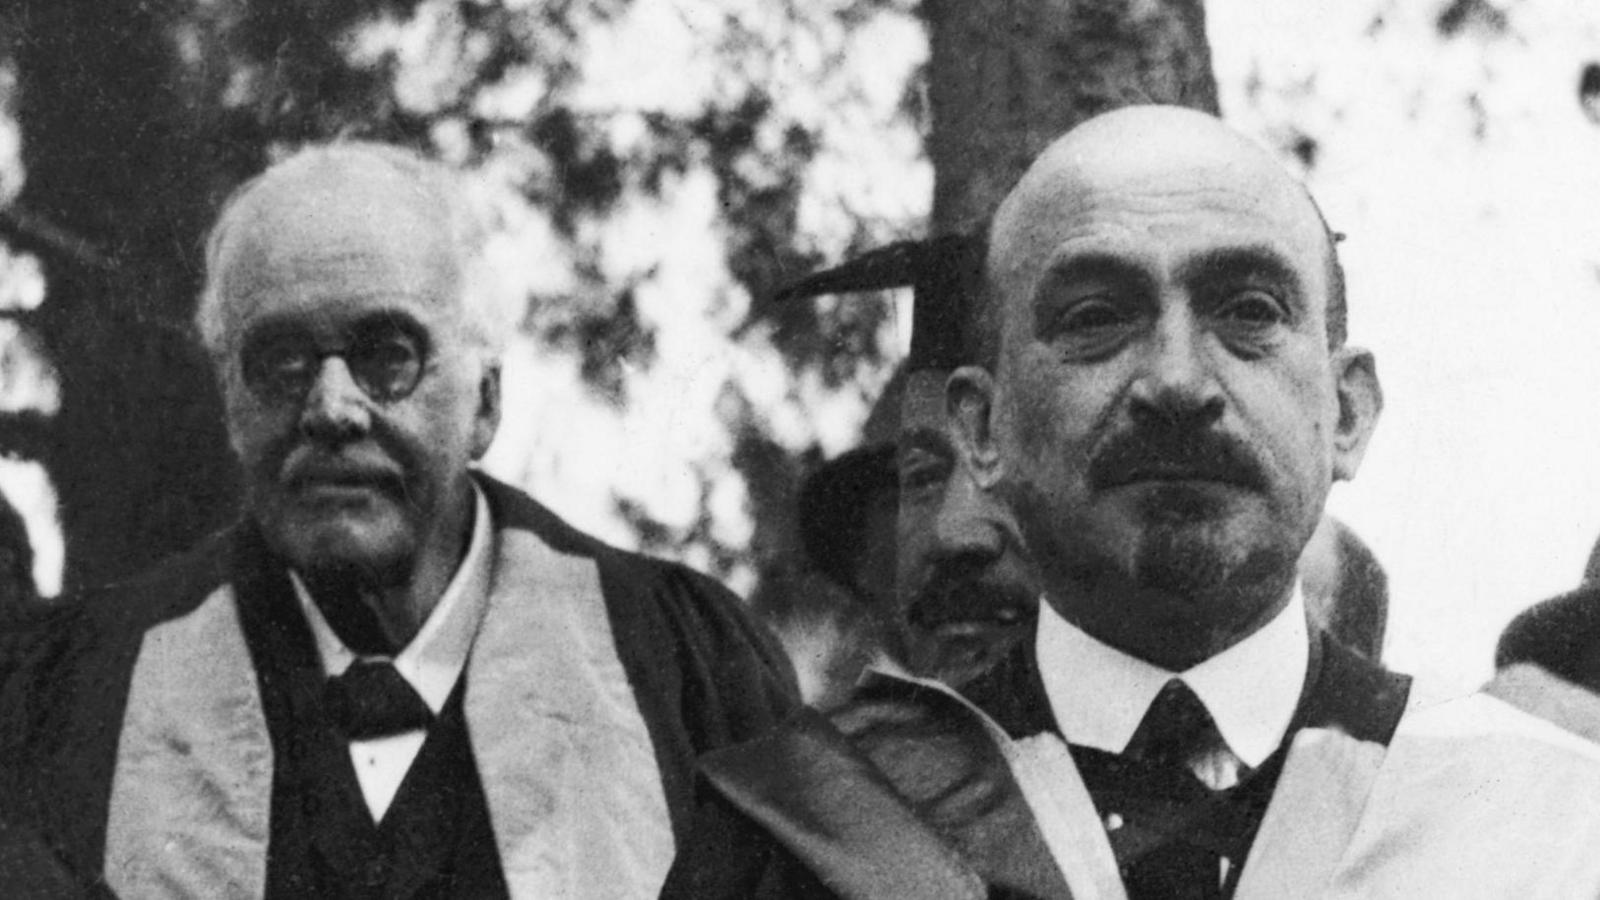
1174	730
372	700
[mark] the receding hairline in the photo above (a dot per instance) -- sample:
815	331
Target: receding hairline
389	177
332	198
320	182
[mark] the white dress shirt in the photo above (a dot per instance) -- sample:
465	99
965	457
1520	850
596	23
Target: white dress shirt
1099	694
431	663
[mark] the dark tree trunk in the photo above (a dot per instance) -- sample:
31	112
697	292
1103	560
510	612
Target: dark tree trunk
1009	76
116	157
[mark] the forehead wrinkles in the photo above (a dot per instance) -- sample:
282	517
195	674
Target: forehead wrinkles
1159	207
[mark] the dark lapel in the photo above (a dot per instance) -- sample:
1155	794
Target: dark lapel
915	802
828	806
1352	694
317	810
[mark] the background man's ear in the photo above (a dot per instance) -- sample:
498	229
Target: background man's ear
969	412
1360	403
487	421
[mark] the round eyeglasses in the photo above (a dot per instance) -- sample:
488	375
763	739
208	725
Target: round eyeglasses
386	357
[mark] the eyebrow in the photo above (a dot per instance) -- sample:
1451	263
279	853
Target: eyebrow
1093	265
1090	265
1251	260
277	325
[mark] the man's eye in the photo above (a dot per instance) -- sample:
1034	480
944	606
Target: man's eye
1250	322
288	362
387	364
922	477
1092	314
1094	327
277	364
1252	308
920	471
390	355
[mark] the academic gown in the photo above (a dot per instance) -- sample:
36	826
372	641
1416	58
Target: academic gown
1548	661
915	791
136	744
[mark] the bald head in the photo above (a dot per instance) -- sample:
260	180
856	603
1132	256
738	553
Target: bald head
1160	153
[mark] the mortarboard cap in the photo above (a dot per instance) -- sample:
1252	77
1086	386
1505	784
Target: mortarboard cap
944	274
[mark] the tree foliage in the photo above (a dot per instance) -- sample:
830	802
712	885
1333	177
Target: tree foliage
138	117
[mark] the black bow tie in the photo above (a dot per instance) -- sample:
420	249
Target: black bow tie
371	700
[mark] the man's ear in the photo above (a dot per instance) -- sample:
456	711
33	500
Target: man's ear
1360	403
969	397
487	420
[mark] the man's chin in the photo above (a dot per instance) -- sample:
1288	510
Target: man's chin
1197	560
956	653
1203	518
1178	503
350	545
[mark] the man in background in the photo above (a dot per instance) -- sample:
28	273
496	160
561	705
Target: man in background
926	571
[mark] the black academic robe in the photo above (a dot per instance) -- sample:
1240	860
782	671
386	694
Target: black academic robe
141	711
906	793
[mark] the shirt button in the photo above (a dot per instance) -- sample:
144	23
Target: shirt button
1113	821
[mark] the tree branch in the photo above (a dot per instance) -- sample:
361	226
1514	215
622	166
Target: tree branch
20	224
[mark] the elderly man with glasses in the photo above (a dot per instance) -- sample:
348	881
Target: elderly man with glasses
396	677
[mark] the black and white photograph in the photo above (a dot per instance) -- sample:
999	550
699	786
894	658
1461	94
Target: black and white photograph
799	449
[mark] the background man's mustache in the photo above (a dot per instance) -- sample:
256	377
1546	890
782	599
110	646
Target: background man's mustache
1155	451
962	592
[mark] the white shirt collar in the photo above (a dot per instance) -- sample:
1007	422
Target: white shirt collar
1099	694
433	661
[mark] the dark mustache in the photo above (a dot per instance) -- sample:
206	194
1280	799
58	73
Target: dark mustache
968	591
1158	452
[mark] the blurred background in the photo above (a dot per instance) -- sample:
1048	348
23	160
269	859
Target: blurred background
659	167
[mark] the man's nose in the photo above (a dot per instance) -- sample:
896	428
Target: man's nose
1176	381
335	409
966	527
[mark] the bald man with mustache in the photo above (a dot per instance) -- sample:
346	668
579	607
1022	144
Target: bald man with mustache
1165	398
